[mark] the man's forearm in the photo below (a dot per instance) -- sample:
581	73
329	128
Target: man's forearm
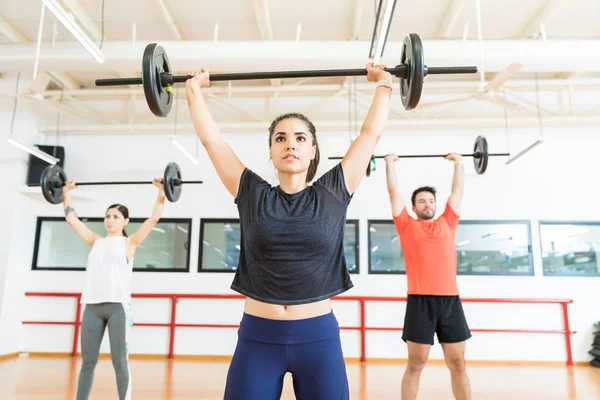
458	181
390	174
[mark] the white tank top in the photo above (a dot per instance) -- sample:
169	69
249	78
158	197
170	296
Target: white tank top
108	274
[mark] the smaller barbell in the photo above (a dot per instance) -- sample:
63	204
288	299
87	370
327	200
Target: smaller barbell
54	178
480	156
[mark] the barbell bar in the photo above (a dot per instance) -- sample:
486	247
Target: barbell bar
476	155
399	71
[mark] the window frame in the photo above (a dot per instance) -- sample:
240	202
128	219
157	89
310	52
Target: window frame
42	219
464	222
554	222
203	221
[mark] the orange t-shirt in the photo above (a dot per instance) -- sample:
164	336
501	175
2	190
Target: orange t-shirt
429	252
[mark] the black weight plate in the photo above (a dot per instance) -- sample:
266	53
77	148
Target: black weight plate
172	182
481	147
155	62
52	181
411	87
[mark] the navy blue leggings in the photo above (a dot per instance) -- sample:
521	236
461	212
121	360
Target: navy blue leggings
309	349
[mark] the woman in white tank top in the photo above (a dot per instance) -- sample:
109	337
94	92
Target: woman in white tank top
107	291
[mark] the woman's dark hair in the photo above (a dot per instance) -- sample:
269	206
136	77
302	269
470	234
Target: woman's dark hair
312	168
123	210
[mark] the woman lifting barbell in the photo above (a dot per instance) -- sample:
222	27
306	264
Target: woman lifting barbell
292	249
107	291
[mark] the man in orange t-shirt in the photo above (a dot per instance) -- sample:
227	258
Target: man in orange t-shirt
433	304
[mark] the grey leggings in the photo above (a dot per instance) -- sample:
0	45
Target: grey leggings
96	318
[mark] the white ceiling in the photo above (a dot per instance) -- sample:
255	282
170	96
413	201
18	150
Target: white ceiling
321	19
258	35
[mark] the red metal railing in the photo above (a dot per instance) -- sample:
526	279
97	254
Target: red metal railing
363	328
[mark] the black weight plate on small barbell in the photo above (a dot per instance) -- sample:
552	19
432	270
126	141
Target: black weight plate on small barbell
481	148
172	182
154	63
52	181
412	86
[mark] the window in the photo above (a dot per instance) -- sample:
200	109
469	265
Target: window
220	245
494	248
570	248
385	253
351	246
57	246
482	247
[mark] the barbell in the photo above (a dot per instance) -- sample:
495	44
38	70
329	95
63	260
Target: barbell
157	78
480	156
54	178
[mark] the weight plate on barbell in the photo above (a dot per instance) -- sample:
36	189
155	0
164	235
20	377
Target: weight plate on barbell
52	180
154	63
412	86
172	182
481	147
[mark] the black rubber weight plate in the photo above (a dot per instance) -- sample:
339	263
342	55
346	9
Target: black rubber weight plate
481	147
171	179
412	55
52	181
595	352
155	62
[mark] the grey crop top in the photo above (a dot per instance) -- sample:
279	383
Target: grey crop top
292	245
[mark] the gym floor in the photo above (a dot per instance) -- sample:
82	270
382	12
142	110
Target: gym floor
56	378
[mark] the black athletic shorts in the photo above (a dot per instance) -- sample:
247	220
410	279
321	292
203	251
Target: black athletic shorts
426	315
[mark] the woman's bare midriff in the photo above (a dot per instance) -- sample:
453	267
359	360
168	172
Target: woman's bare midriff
278	312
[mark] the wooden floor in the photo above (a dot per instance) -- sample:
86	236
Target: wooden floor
56	378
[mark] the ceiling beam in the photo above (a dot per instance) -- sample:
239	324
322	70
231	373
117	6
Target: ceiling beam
170	20
454	9
357	18
60	107
567	75
332	125
9	30
263	19
545	16
240	56
94	29
265	28
84	18
64	79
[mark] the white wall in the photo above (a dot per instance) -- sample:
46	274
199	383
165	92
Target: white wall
556	181
14	215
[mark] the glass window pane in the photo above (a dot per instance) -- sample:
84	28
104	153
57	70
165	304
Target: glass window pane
220	245
385	252
494	248
570	249
59	247
351	246
165	248
482	248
